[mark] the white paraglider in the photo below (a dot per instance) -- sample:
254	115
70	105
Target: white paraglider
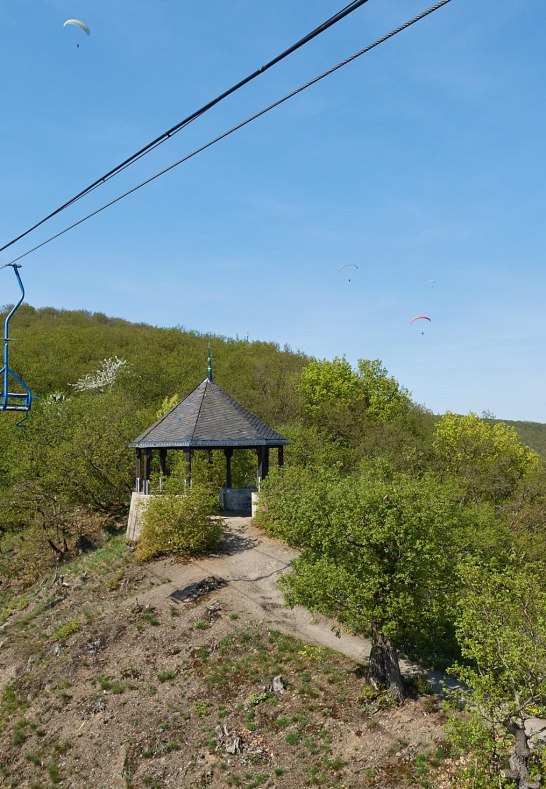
78	23
347	265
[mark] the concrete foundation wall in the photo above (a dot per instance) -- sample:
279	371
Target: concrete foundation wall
234	499
231	500
255	502
139	502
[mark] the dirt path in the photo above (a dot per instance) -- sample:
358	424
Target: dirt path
251	564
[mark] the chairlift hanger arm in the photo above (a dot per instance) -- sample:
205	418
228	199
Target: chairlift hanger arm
15	267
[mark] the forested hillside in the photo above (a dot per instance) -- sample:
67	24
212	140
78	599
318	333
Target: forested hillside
531	433
55	348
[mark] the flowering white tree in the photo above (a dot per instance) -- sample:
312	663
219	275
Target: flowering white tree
103	377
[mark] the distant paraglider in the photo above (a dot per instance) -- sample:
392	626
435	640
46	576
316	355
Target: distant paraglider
420	318
347	265
78	23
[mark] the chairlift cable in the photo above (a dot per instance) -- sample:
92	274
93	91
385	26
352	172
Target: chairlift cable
337	17
240	125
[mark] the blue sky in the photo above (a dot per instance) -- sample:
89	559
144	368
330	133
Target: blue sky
424	160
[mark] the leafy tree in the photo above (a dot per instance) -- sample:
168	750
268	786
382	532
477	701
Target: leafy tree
379	554
365	409
524	514
326	387
167	404
324	384
384	398
501	629
71	457
312	446
487	457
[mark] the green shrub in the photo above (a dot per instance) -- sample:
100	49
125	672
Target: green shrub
66	630
183	525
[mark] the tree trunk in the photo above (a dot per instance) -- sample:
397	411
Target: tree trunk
519	758
384	668
58	551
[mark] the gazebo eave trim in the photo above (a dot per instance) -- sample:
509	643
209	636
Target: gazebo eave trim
251	444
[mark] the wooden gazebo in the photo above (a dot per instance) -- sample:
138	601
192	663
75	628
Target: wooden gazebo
208	418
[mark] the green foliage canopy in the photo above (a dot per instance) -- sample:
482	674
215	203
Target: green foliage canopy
487	457
369	389
501	628
398	575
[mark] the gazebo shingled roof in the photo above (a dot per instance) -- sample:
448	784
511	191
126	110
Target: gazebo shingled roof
208	418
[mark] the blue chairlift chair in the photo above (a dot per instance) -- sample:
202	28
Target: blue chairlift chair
19	400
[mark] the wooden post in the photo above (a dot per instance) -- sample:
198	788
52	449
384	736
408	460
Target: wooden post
228	452
281	456
265	462
163	461
138	475
259	471
147	457
187	454
162	467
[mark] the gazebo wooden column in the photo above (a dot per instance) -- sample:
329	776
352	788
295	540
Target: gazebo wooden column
228	452
281	456
188	455
162	467
163	461
138	473
146	471
263	463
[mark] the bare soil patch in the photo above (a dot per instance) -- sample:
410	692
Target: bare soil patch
188	675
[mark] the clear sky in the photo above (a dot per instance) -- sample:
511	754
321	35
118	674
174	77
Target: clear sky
424	160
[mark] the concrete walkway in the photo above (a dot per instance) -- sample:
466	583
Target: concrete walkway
252	564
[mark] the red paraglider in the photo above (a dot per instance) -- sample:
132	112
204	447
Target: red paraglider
420	318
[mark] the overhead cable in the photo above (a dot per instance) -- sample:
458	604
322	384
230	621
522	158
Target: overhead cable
333	20
240	125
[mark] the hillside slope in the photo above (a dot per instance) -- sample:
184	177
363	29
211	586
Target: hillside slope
108	679
55	348
531	433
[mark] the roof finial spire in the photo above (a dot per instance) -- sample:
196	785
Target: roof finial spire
209	368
